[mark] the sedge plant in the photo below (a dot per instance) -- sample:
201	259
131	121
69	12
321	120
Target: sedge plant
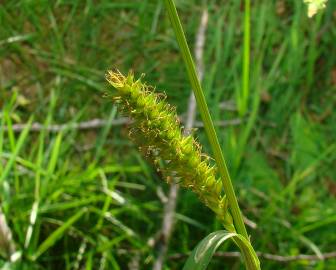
157	131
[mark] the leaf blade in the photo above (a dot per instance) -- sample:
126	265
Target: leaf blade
200	257
54	237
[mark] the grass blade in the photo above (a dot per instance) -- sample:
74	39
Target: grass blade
18	146
243	100
57	234
202	254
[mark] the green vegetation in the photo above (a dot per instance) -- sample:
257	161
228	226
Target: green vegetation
78	197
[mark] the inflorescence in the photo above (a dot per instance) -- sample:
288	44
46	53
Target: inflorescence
157	131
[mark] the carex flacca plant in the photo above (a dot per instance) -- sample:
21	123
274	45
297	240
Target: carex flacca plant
157	132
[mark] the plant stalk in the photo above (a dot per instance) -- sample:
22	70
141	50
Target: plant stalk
205	114
244	98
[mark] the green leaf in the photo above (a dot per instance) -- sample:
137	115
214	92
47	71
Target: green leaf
204	251
57	234
15	152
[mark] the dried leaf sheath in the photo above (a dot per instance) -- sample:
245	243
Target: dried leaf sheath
157	131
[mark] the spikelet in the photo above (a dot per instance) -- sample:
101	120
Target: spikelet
157	131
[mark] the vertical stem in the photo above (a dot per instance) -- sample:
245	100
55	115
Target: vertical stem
246	60
205	114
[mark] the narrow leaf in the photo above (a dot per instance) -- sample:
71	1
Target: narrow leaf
18	146
204	251
57	234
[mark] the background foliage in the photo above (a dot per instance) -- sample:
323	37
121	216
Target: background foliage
88	198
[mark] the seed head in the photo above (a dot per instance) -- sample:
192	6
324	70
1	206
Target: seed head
157	132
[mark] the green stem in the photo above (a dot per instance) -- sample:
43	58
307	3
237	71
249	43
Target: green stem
246	60
205	114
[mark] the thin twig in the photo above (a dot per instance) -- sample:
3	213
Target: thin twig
266	256
98	123
170	206
91	124
250	222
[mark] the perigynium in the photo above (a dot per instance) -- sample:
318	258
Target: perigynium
157	132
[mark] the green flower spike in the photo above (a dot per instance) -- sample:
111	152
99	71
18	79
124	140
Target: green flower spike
157	131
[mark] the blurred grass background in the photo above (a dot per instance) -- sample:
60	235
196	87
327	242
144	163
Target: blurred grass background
86	199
